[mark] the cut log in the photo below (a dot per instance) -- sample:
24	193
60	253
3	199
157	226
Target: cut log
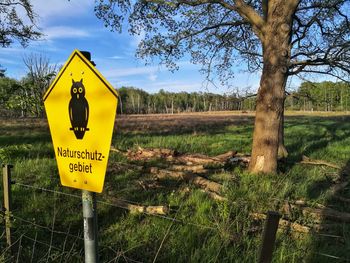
307	160
174	156
242	159
304	203
200	181
320	214
146	154
225	156
155	210
206	184
215	196
317	214
163	174
122	167
113	149
194	159
338	187
185	168
343	199
283	223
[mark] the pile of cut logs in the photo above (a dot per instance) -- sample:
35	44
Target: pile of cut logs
194	168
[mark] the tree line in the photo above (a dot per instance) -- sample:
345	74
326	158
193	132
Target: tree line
137	101
323	96
310	96
23	98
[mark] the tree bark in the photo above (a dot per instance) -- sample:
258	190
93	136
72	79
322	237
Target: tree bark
270	98
269	111
282	150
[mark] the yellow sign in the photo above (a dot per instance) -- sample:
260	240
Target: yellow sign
80	107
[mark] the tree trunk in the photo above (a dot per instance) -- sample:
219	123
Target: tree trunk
268	118
172	105
121	105
270	98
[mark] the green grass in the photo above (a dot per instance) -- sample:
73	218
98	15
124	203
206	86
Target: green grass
206	230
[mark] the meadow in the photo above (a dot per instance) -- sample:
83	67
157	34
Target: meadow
47	225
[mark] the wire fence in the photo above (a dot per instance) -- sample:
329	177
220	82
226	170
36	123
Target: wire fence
73	249
173	219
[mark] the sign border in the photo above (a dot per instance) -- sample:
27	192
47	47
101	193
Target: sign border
92	68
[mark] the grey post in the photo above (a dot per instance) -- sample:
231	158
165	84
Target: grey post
90	226
269	236
6	177
90	214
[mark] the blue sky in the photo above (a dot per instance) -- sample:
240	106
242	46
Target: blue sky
69	25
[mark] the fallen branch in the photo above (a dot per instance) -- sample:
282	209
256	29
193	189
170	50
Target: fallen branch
154	210
307	160
149	184
200	181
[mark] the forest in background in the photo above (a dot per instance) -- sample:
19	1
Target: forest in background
310	96
23	98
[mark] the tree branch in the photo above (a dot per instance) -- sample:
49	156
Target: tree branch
251	16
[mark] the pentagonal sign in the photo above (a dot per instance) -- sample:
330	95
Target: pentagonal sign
80	107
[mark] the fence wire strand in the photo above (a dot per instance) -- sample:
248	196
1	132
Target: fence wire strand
173	219
45	227
331	256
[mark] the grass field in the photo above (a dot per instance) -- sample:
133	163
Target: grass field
47	226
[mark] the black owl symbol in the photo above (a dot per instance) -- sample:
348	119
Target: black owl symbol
78	109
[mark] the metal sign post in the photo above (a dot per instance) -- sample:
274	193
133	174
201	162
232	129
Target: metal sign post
90	214
90	226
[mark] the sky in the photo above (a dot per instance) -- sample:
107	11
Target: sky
69	25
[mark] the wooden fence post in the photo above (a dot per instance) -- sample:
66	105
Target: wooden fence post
269	236
6	176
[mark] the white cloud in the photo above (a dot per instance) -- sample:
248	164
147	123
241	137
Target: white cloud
64	32
50	10
125	72
116	57
152	77
177	86
8	61
11	50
